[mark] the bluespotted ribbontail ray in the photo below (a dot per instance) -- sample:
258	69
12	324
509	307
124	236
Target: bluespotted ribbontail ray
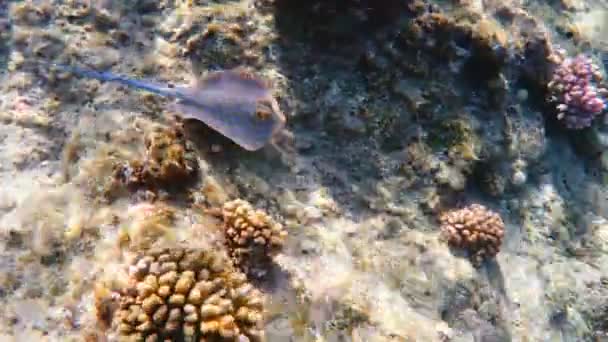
238	105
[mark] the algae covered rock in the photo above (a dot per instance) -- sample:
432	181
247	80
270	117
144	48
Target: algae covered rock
169	158
169	162
151	222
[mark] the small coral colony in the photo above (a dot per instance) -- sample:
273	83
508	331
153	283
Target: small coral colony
575	91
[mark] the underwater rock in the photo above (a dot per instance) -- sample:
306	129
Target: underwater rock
597	227
31	14
594	140
462	143
215	35
151	222
336	22
474	228
575	298
497	177
479	50
525	134
519	176
105	305
492	180
188	295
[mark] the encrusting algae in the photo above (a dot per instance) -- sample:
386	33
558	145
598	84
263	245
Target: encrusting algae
186	294
152	222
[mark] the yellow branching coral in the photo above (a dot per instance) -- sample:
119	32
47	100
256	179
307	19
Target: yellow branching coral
183	294
474	228
252	236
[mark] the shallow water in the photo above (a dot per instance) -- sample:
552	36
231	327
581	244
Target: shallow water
397	113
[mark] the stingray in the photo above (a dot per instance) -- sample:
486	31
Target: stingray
234	103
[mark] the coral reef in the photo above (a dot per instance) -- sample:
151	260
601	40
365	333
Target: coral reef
401	110
190	295
474	228
252	236
576	91
169	162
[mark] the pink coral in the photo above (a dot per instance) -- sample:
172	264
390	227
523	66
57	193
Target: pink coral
575	89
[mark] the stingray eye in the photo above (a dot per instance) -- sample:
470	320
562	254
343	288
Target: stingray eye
263	111
262	115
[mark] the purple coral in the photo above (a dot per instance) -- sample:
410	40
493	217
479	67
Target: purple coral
575	90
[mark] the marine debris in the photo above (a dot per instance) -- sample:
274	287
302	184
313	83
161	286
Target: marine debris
575	90
185	294
474	228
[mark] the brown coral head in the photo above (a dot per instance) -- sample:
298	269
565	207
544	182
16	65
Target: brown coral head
170	163
183	294
252	236
475	229
170	158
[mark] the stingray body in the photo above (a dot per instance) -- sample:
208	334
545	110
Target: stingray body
236	104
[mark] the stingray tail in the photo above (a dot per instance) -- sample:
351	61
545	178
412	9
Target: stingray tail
111	77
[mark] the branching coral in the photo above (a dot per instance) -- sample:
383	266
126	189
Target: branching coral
183	294
252	236
474	228
576	92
